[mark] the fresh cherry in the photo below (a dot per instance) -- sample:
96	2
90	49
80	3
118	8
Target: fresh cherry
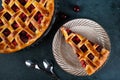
76	8
62	15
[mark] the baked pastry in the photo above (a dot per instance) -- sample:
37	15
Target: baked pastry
91	55
22	22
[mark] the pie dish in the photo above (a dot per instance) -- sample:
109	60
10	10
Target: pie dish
91	55
22	22
65	55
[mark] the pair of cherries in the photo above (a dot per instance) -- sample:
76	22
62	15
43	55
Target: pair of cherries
76	8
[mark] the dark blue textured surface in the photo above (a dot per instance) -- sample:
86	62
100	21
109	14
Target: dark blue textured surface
105	12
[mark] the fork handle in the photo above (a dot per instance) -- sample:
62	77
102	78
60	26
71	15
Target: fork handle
55	77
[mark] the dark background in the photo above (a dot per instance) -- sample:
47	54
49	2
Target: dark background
105	12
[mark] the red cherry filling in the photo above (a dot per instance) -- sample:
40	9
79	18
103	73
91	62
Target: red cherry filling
1	23
23	2
23	17
0	39
83	63
7	16
38	0
83	48
99	48
90	56
76	8
7	1
14	42
38	17
30	8
32	27
15	25
24	36
76	40
68	31
6	32
15	8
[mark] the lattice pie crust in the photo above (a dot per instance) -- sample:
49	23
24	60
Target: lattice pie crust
91	55
22	22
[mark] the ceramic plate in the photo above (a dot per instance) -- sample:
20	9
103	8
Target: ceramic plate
63	53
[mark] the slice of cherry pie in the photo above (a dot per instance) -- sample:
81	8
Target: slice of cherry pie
91	55
22	22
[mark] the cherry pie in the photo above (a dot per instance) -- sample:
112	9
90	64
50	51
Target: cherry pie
22	22
91	55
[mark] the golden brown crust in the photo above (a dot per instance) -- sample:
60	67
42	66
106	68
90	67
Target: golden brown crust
93	54
45	7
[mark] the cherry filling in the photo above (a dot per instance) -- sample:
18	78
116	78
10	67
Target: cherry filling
30	8
7	1
6	32
68	31
1	23
0	39
15	8
7	16
83	63
32	27
99	48
76	40
90	56
38	17
38	0
15	25
83	48
23	2
24	36
14	42
23	17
